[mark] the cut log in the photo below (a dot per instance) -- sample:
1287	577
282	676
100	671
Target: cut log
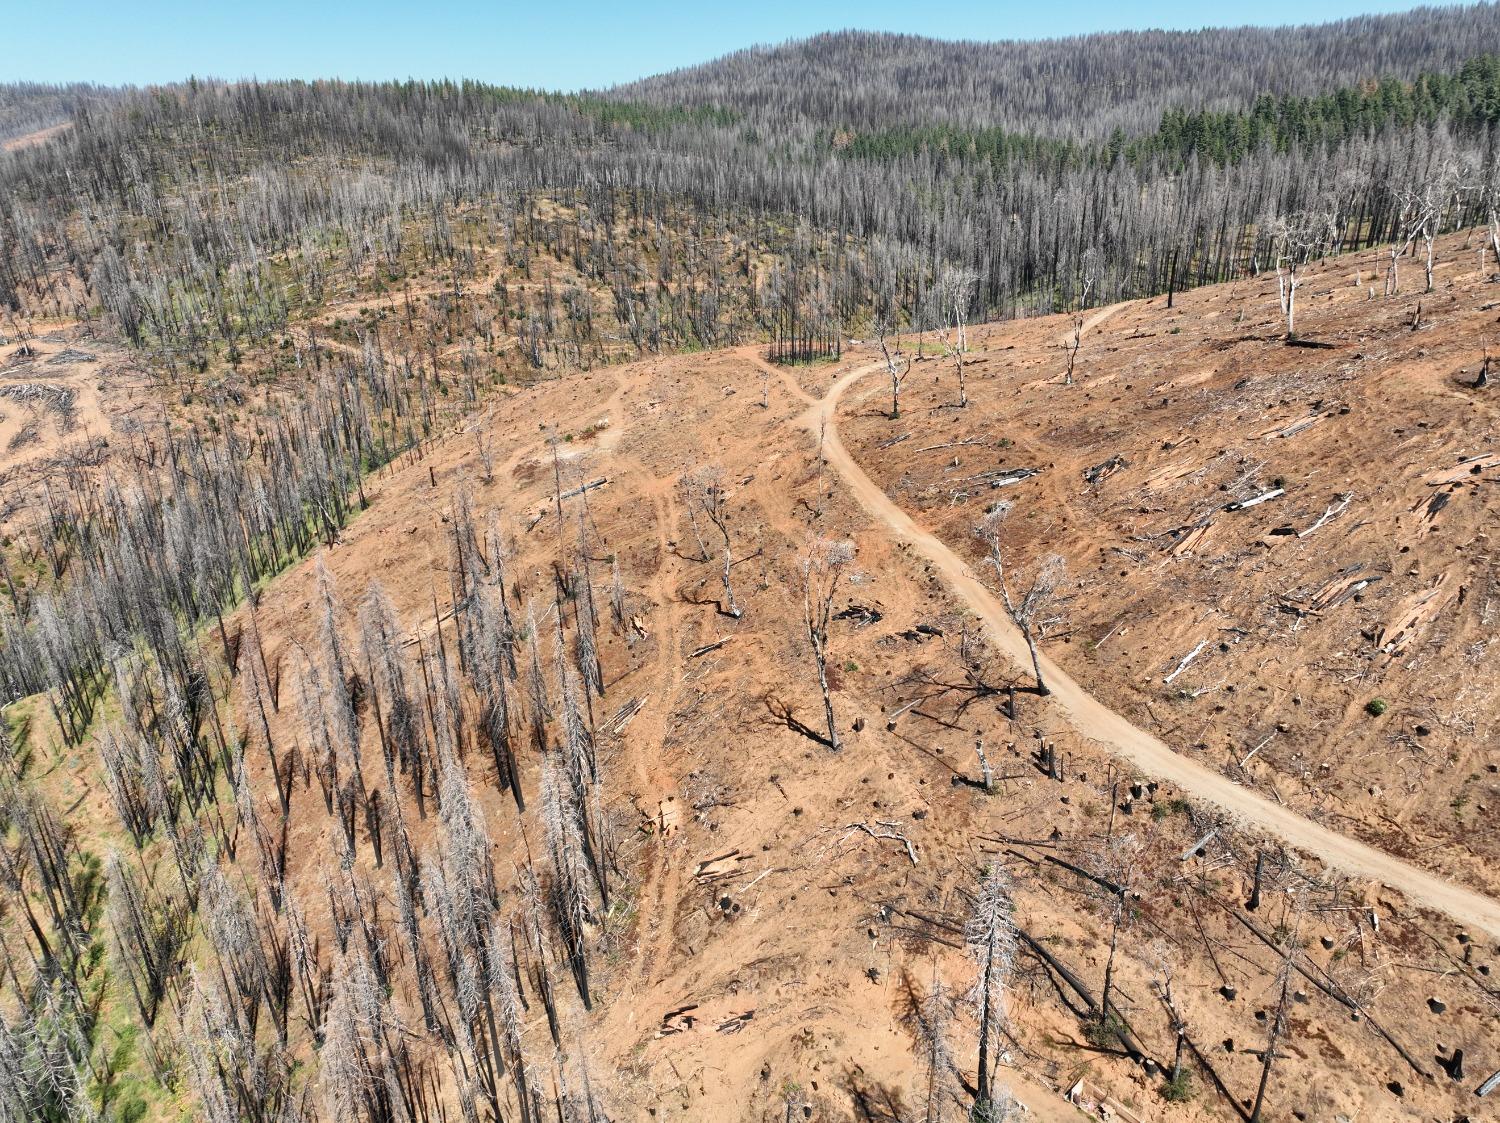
1102	471
1199	845
1466	468
1186	660
1255	500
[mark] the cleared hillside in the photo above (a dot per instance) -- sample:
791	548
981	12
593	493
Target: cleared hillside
782	912
449	671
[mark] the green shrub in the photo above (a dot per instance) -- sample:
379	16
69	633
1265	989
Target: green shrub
1376	706
1179	1089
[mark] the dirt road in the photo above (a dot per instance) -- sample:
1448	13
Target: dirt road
1119	736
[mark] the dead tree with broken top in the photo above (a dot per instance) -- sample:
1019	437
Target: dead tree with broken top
821	568
1274	1033
1163	970
1088	278
1030	610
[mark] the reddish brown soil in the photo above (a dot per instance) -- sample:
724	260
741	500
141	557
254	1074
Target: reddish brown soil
752	887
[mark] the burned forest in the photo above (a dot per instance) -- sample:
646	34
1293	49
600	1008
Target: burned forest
870	579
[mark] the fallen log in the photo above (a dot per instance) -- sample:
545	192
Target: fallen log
1102	471
890	833
1102	882
1255	500
1123	1030
1333	991
590	486
1186	660
1199	845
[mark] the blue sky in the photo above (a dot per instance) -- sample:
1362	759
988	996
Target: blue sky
540	43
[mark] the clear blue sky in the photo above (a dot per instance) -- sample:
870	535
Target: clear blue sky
540	43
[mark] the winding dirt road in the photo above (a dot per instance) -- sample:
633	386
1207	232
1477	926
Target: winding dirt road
1097	722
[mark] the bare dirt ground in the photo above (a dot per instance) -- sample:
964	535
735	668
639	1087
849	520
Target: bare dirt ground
40	136
65	402
1304	620
1099	723
787	906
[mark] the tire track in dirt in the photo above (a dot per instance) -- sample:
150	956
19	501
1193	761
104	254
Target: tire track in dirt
1099	723
665	879
659	892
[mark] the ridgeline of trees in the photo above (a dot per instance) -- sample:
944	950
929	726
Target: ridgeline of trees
1082	87
1468	101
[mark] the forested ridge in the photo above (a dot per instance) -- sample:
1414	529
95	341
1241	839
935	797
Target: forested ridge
319	278
1080	87
1468	99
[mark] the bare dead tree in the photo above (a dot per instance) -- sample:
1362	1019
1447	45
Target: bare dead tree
586	622
484	447
568	889
1116	868
896	369
1273	1034
821	567
1030	611
1297	239
705	492
1429	205
1406	235
540	709
1492	206
957	290
991	939
616	595
1163	971
931	1025
822	463
1088	278
690	502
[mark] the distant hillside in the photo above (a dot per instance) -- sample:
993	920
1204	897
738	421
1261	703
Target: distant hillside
29	107
1084	86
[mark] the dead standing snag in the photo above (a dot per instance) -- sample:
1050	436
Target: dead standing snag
1298	239
821	569
991	939
705	492
1029	612
895	368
